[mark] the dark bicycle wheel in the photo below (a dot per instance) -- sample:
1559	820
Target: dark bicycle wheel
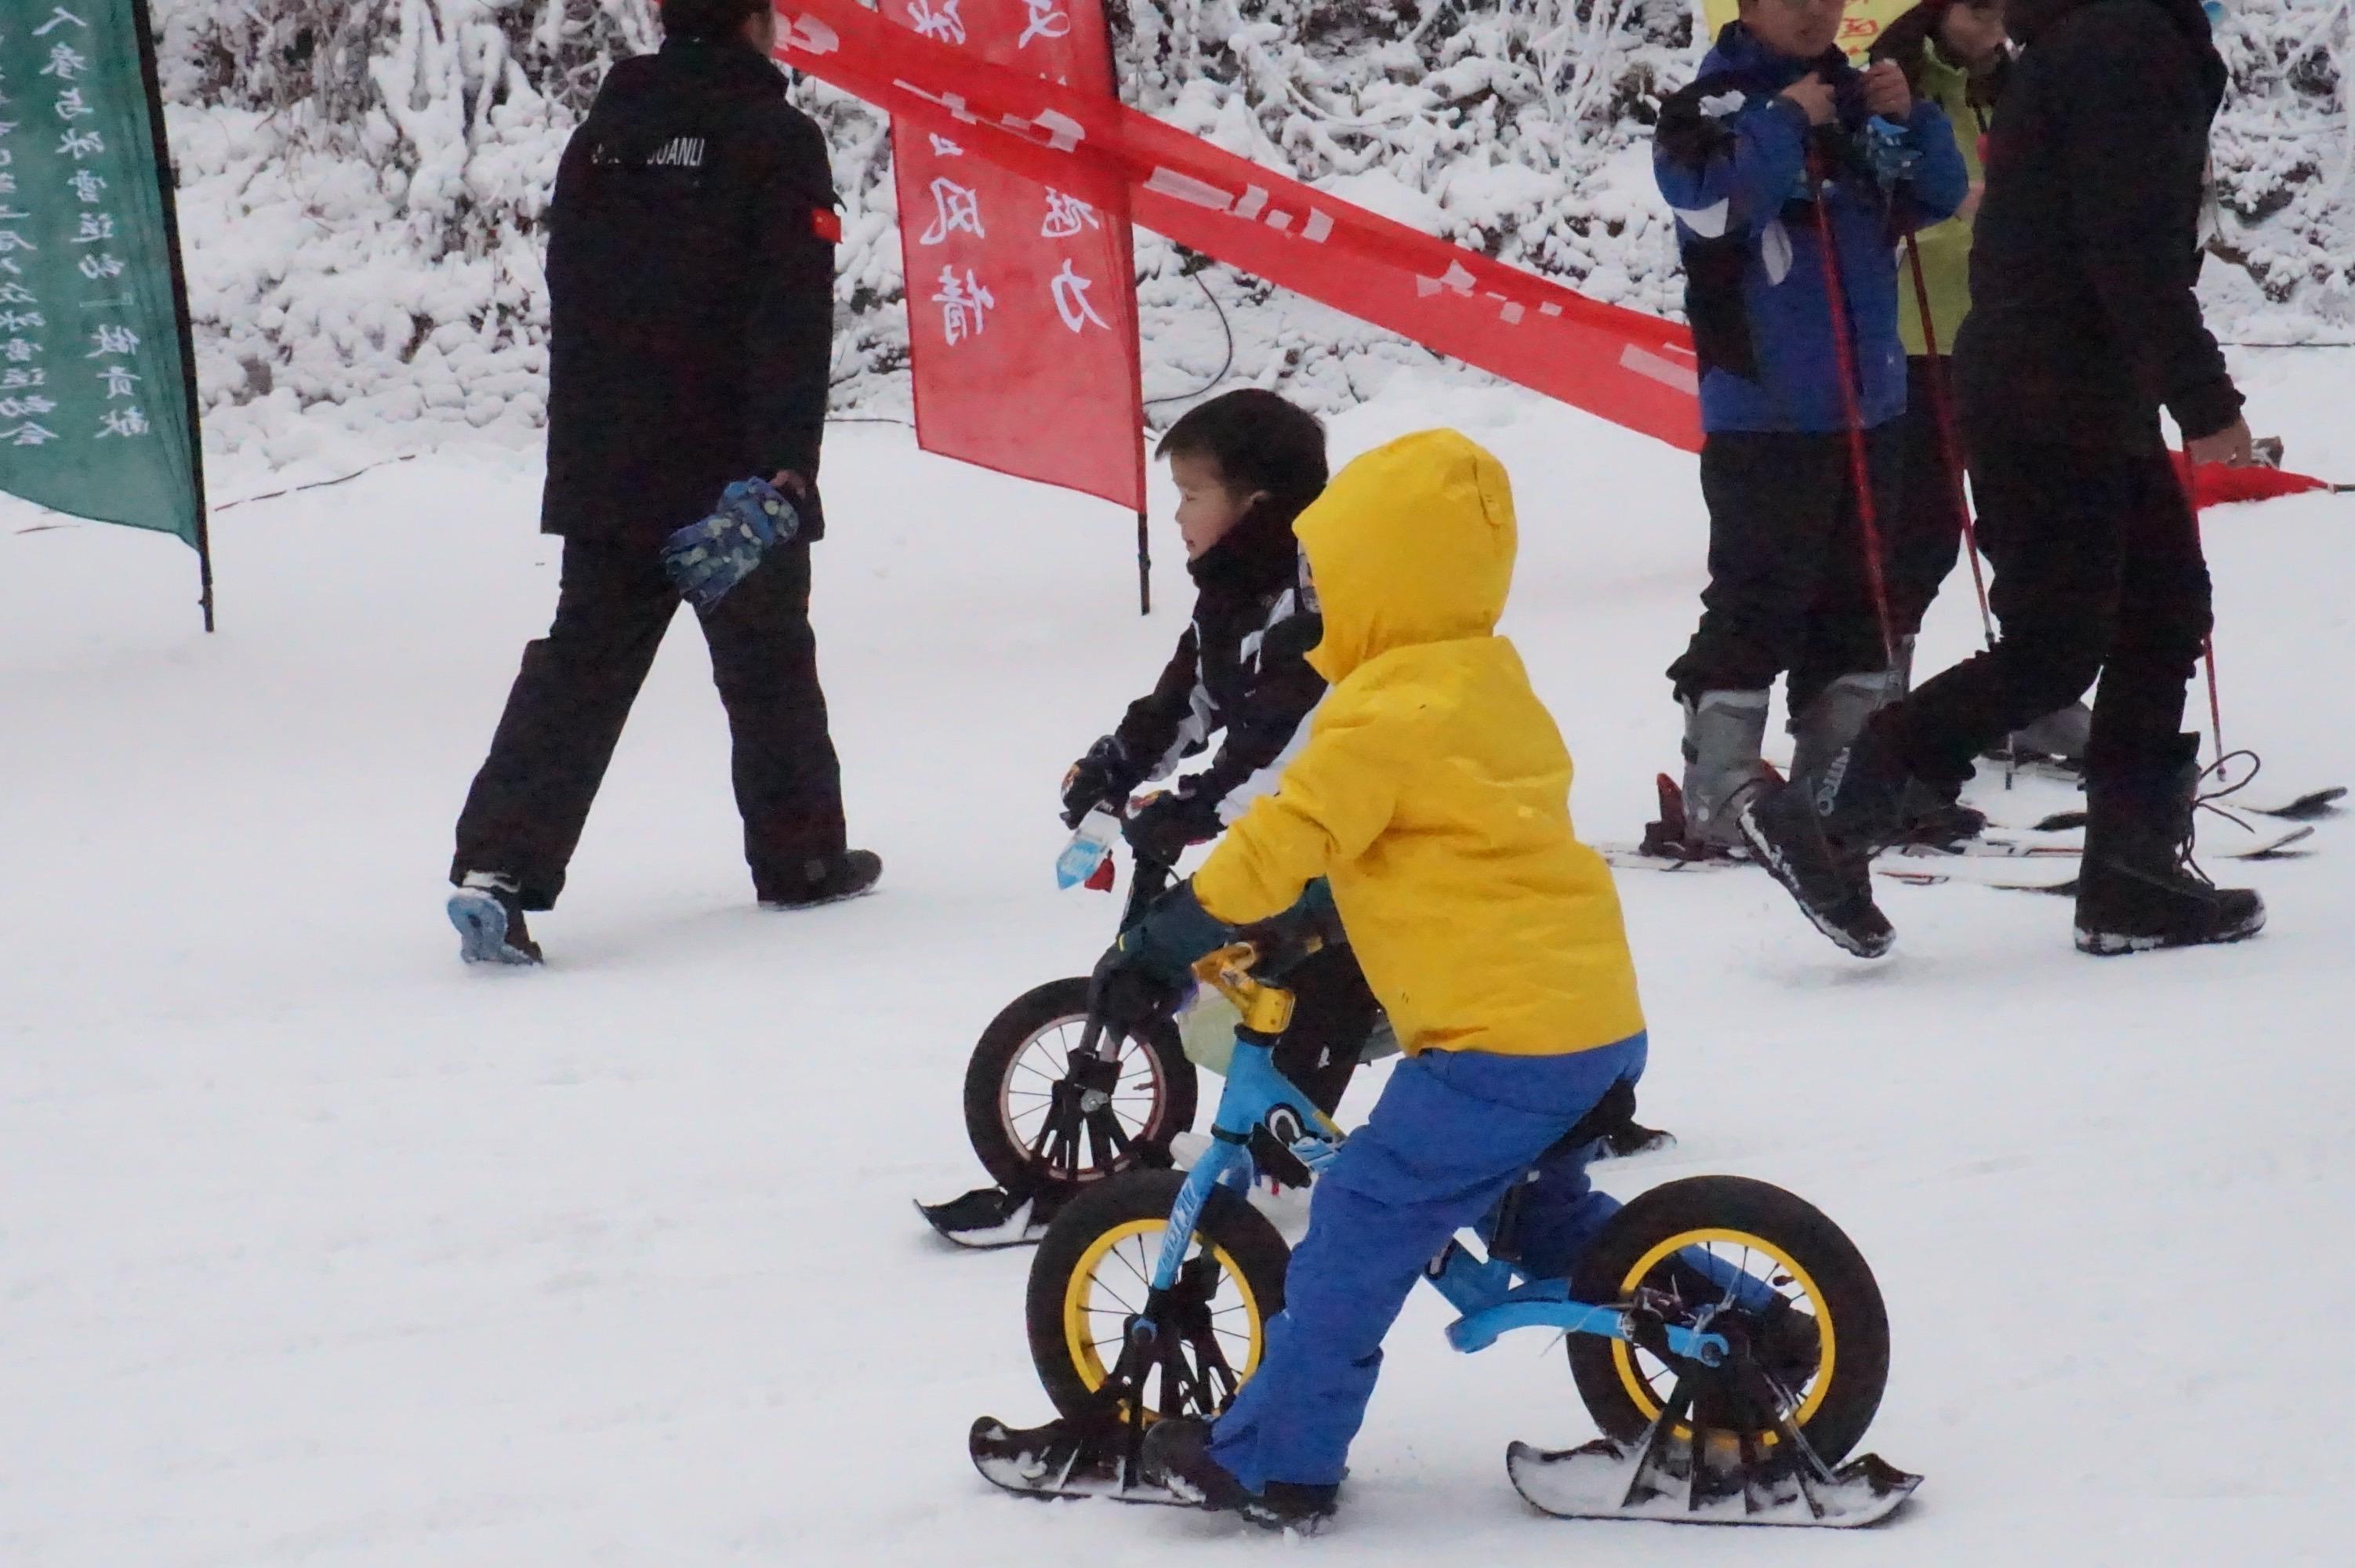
1039	1112
1091	1275
1793	1282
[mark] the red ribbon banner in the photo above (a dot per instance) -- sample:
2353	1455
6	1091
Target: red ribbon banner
1631	368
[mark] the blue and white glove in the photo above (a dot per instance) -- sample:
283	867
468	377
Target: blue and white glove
1890	156
706	560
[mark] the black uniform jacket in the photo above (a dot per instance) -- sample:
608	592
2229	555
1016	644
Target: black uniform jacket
690	273
2082	321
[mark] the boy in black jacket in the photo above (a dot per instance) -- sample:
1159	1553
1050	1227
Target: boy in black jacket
1245	465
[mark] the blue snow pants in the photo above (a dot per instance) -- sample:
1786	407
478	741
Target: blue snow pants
1451	1131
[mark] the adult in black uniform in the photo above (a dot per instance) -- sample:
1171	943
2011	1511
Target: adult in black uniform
2084	324
690	274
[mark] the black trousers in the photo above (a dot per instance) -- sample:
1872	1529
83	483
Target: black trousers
1789	585
2098	571
524	815
1922	527
1333	1008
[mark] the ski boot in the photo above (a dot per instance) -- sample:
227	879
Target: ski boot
1723	731
488	909
822	880
1818	837
2053	747
1177	1459
1833	719
1626	1139
2139	887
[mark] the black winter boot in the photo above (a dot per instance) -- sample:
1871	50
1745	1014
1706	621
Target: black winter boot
1818	837
2139	887
823	880
1178	1456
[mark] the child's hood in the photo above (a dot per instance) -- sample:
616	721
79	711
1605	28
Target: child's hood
1411	543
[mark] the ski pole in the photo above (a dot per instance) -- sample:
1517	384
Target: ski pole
2215	697
1868	515
1950	446
1950	453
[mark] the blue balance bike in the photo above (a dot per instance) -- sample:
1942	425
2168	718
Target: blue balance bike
1726	1338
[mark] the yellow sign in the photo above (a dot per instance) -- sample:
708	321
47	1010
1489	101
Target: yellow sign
1862	23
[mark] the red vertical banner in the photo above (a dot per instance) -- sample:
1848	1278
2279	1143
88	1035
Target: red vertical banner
1021	296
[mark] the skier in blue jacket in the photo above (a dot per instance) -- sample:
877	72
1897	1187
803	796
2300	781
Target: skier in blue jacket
1778	136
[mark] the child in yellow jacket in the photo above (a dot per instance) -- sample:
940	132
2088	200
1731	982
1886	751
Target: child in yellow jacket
1434	794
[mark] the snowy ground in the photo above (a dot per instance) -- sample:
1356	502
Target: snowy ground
315	1249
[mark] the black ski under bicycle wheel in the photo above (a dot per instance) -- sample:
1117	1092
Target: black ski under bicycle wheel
1085	1119
1823	1336
1090	1279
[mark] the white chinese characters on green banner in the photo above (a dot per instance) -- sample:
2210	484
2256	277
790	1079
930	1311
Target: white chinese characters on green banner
94	415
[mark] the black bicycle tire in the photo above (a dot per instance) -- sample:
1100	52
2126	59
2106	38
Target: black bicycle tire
1226	1222
1018	1023
1844	1282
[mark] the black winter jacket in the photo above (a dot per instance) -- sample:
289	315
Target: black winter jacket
690	273
2082	321
1241	667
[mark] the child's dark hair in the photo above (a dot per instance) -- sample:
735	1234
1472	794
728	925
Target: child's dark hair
1260	441
707	18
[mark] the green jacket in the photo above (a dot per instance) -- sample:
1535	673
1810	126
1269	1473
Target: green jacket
1946	247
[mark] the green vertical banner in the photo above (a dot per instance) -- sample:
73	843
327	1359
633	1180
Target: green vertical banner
98	407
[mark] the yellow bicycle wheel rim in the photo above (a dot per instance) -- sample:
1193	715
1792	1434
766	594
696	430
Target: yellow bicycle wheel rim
1082	1343
1639	1388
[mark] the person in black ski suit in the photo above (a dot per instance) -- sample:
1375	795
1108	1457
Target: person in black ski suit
1245	465
690	276
2084	324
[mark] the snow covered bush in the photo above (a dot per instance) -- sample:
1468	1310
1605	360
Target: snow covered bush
365	179
2284	154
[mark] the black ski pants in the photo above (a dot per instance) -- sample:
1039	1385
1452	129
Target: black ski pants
524	815
1333	1011
1790	588
1922	527
2098	571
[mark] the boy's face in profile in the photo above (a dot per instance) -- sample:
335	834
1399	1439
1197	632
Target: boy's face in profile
1206	509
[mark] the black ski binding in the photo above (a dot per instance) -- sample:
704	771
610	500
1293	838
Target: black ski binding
1702	1460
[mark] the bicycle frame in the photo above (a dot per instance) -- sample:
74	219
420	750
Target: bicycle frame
1492	1294
1090	1077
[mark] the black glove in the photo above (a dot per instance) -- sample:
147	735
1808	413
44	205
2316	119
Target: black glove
1104	773
1166	824
1142	976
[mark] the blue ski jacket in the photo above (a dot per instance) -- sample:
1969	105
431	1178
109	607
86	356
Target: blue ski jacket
1740	166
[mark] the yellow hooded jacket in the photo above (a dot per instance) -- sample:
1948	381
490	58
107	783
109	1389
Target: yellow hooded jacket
1433	788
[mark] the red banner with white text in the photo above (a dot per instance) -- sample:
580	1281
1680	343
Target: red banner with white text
1634	370
1021	294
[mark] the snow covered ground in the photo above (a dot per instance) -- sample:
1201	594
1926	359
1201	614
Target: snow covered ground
316	1249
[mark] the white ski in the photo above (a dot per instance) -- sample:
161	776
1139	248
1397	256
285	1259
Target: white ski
1603	1480
1904	862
